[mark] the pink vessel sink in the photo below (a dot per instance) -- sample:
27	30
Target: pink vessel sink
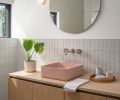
61	71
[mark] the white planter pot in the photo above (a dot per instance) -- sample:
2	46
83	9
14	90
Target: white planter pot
30	66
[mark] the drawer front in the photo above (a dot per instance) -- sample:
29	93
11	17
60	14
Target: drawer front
112	99
45	92
19	89
82	96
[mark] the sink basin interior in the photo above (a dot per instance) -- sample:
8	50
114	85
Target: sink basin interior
61	65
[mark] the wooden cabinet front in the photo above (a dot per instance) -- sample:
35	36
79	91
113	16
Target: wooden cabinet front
112	99
82	96
19	89
25	90
44	92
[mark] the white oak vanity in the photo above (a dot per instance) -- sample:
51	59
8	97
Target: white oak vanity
31	86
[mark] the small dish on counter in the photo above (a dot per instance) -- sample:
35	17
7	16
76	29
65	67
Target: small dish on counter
104	80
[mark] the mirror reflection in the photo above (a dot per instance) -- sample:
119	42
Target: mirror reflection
74	16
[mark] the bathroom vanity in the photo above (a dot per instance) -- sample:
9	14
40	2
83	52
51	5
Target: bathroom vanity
31	86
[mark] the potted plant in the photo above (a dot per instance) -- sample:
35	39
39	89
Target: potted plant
31	47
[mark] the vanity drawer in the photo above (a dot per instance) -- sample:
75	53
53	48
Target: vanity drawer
25	90
82	96
112	99
45	92
19	89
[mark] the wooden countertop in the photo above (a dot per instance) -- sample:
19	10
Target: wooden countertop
111	89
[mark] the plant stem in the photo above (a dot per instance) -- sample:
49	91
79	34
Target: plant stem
28	56
31	55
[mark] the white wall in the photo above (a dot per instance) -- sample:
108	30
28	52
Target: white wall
32	19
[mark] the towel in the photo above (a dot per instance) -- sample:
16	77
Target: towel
73	85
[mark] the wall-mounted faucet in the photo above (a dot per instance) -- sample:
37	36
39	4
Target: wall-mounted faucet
72	51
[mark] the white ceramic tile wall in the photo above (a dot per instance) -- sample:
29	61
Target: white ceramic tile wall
95	53
8	63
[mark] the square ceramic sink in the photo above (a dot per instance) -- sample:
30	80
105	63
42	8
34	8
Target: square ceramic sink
61	71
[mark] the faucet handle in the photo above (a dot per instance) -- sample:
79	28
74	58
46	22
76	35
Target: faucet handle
72	50
78	51
66	51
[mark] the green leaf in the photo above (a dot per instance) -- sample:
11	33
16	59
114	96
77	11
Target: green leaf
27	44
41	50
36	47
42	44
39	47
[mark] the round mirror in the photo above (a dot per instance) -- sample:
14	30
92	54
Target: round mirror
74	16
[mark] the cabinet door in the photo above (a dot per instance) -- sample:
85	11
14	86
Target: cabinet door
19	89
112	99
44	92
82	96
